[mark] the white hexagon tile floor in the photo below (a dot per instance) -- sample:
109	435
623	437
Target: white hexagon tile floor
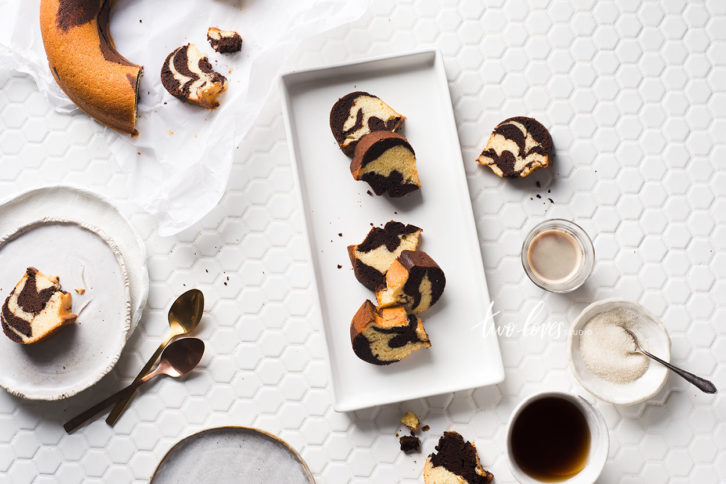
635	97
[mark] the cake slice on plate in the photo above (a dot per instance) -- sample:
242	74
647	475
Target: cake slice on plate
36	308
414	281
385	336
387	162
372	257
358	114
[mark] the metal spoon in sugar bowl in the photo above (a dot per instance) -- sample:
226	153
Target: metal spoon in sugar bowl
178	359
184	317
701	383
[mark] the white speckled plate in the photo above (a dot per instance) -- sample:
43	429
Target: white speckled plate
232	455
89	245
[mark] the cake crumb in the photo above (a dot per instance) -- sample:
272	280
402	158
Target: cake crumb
425	428
411	421
539	196
340	266
410	444
80	291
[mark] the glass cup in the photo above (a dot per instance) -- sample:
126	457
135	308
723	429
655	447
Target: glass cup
584	253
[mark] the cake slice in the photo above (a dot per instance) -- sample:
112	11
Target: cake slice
224	41
359	113
385	336
517	147
414	281
36	308
387	162
455	462
188	75
372	257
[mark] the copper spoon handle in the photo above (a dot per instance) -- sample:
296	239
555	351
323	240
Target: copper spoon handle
124	402
82	417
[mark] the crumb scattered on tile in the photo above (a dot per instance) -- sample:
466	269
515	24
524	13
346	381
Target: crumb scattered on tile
425	428
410	444
411	421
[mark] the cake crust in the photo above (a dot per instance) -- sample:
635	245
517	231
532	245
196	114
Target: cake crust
84	62
517	147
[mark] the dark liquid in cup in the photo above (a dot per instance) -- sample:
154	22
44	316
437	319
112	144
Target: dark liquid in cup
551	439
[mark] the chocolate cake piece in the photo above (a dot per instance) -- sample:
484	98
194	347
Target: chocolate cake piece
517	147
410	444
414	281
372	257
36	308
385	336
455	462
387	162
189	76
358	114
224	41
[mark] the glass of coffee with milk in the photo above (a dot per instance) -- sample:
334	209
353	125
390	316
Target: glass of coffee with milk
558	255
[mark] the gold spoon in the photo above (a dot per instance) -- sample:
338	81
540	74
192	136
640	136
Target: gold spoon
178	359
701	383
184	317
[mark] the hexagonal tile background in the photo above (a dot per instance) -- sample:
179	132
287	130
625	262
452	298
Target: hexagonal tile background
634	94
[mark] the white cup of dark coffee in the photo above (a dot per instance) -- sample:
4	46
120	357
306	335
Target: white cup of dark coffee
556	437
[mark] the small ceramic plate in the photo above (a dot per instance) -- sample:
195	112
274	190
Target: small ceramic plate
232	455
72	234
655	339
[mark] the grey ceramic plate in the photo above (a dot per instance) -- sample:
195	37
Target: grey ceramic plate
232	455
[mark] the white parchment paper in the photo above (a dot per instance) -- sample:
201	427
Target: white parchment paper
180	162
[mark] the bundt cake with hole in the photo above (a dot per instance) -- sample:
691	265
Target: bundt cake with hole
517	147
358	114
386	161
36	308
385	336
414	281
372	257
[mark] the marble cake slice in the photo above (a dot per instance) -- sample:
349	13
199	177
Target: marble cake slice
372	257
414	281
188	75
387	162
455	462
385	336
358	114
517	147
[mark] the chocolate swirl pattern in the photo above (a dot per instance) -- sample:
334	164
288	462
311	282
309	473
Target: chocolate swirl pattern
517	147
455	460
358	114
189	76
372	257
384	336
414	281
36	308
387	162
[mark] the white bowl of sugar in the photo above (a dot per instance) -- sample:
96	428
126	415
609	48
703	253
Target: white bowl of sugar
603	357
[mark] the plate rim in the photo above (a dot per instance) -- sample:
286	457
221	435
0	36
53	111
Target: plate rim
196	435
284	82
133	315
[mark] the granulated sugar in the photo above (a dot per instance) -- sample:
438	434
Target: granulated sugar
608	351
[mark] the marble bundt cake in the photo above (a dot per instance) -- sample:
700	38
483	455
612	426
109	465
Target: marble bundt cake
385	336
455	462
414	281
372	257
85	63
188	75
359	113
517	147
387	162
224	41
36	308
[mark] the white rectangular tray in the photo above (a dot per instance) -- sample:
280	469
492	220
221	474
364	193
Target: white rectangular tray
465	350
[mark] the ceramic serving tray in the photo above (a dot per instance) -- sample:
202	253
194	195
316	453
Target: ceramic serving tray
339	211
